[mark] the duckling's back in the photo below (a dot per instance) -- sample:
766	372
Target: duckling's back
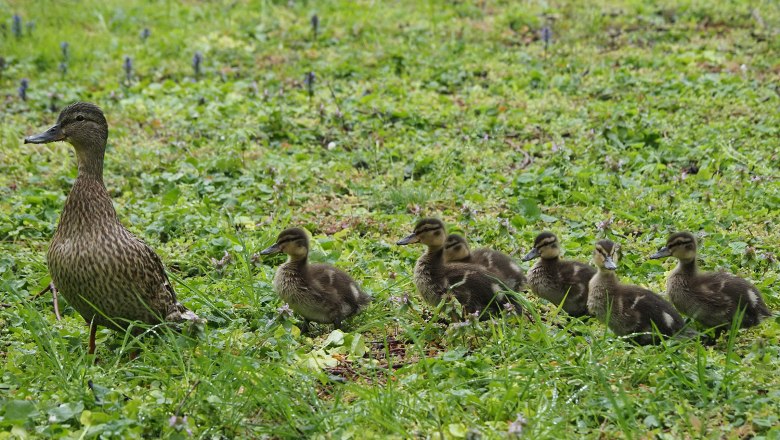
554	279
714	298
501	265
630	309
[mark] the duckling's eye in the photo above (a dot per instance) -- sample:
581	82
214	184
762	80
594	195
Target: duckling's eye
80	118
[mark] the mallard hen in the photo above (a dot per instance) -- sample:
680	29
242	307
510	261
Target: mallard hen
713	298
555	279
318	292
625	308
456	250
104	272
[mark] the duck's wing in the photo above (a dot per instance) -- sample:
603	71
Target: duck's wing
337	285
476	289
576	276
722	289
502	265
152	282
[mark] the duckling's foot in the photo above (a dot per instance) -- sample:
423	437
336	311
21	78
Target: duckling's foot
337	324
305	326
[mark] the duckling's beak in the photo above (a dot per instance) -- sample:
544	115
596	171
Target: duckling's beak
409	239
531	255
51	135
274	249
609	264
663	252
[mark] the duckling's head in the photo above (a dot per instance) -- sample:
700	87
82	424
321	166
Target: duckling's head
293	242
681	245
546	246
605	255
81	124
428	231
456	248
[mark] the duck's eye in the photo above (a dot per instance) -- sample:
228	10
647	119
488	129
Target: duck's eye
80	118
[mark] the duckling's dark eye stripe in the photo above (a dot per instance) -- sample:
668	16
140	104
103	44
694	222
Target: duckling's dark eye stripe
546	242
680	243
420	231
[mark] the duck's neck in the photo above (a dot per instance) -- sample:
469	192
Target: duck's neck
90	165
607	276
435	256
88	208
298	262
687	266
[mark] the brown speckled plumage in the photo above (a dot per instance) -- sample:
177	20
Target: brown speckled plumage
104	272
456	250
625	308
475	288
714	298
554	279
317	292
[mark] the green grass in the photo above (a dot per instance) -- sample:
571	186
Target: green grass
418	109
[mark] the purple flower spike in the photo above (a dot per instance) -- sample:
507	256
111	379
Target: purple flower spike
128	65
197	61
16	26
23	89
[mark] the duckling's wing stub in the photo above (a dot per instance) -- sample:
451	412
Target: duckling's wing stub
337	287
721	292
475	290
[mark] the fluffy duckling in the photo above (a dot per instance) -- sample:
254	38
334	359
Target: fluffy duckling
318	292
625	308
713	299
104	272
475	288
555	279
456	249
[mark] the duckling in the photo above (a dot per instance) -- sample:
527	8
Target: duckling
625	308
499	264
104	272
318	292
712	299
555	279
476	289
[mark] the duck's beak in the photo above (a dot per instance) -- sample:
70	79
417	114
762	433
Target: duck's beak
51	135
663	252
274	249
609	264
409	239
531	255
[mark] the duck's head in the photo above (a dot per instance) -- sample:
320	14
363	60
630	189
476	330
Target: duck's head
293	242
605	255
81	124
681	245
546	246
428	231
456	248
